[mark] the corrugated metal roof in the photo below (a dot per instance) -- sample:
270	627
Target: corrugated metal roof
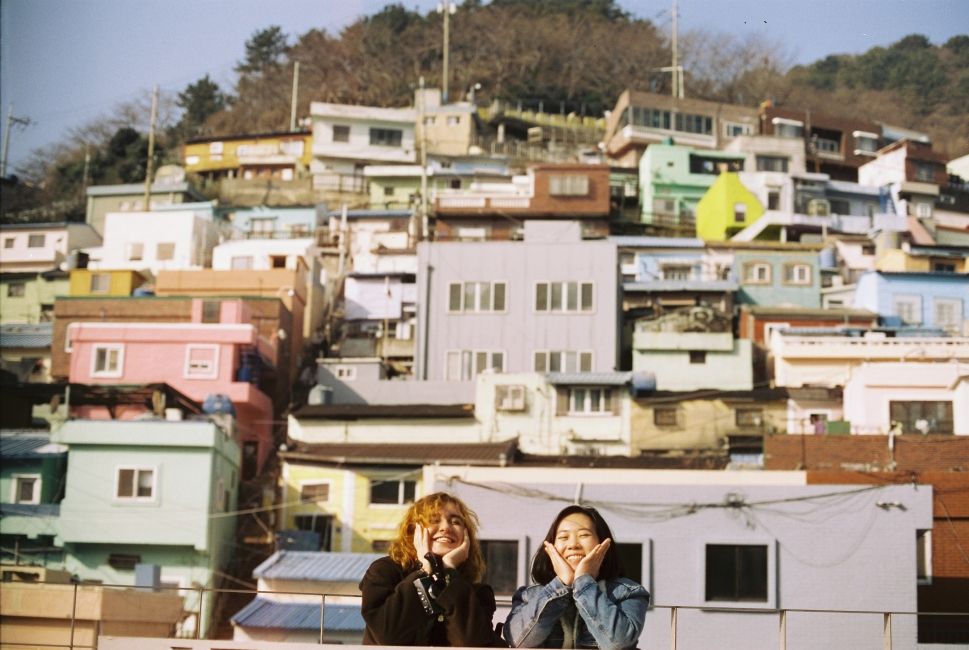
263	613
590	378
656	242
681	285
317	566
33	335
28	445
490	453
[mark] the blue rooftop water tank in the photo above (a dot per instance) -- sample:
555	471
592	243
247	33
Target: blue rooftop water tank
218	404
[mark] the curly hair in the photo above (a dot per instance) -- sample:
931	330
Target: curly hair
542	569
422	511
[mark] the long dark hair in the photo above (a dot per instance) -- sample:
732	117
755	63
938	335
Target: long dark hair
542	570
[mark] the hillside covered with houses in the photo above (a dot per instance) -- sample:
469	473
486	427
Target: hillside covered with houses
724	324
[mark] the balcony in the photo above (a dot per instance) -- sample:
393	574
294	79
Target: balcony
667	625
870	349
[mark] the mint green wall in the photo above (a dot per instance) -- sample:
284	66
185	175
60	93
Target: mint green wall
664	172
723	370
37	291
182	529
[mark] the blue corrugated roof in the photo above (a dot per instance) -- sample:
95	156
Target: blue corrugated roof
316	566
28	445
264	613
34	335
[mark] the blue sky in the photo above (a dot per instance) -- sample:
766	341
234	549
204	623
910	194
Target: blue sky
64	63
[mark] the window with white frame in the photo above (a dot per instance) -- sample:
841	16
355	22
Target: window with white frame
747	418
341	133
262	226
201	361
241	262
314	491
26	488
677	271
345	373
865	143
135	251
510	397
68	338
100	282
923	556
392	491
568	185
908	308
216	148
786	128
562	361
107	360
797	273
36	241
739	212
385	137
923	210
737	572
772	163
564	296
465	365
591	401
756	273
165	251
135	483
733	129
476	296
948	314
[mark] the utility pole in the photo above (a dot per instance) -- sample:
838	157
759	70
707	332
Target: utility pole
447	9
11	119
420	118
151	147
292	109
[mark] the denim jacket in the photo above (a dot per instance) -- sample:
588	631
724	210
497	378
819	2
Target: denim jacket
611	614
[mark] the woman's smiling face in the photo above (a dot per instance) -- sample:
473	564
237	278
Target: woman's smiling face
447	529
575	536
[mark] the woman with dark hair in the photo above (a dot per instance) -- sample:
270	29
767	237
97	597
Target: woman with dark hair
427	591
581	598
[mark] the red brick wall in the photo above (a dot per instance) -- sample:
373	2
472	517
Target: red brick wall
913	453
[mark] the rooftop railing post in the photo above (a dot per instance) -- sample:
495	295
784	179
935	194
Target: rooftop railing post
783	629
673	612
73	615
198	623
322	608
887	630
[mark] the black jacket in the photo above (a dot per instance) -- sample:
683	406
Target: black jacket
394	614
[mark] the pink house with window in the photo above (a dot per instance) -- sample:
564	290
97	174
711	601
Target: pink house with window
215	353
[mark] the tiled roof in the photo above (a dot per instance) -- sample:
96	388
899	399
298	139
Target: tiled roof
489	453
30	444
263	613
315	566
355	411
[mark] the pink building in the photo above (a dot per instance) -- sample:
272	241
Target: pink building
213	354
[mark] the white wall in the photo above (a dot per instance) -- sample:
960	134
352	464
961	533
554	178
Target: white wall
193	235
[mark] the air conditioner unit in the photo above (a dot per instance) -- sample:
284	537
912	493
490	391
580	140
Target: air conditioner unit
819	208
510	398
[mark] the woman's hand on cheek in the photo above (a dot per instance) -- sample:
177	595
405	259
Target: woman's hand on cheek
561	567
422	544
592	562
457	556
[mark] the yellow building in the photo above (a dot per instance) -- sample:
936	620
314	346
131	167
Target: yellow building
354	495
939	259
285	156
119	282
727	208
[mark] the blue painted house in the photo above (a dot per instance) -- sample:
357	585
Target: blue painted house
933	300
780	274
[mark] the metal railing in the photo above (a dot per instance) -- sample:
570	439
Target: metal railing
195	600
